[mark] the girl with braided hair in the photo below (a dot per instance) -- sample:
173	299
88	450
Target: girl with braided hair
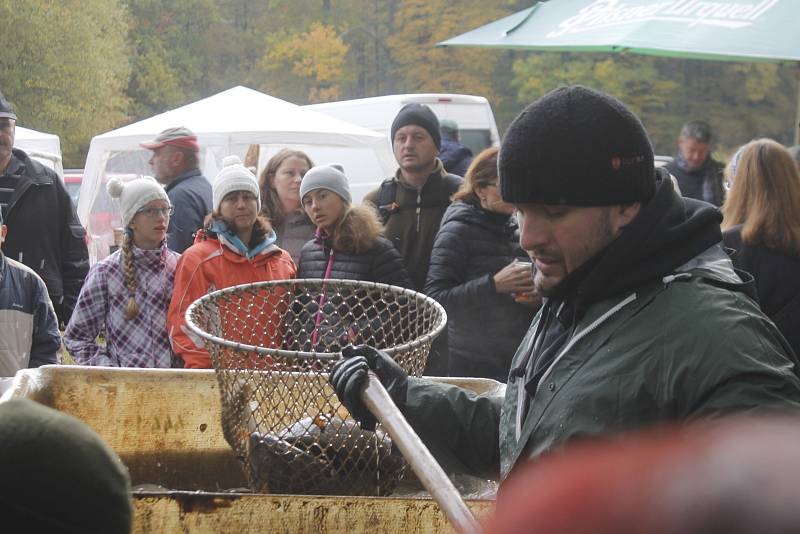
127	295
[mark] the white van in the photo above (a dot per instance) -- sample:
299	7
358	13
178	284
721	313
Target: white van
473	114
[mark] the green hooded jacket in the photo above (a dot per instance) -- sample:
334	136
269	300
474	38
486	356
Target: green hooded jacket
689	344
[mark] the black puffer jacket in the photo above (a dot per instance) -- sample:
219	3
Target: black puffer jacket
380	263
777	277
484	327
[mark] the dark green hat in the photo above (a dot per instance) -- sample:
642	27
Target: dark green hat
58	475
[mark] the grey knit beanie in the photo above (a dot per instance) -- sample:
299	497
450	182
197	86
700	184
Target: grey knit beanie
330	177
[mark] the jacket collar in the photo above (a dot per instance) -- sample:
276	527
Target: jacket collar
469	211
150	258
191	173
230	252
668	232
438	172
31	169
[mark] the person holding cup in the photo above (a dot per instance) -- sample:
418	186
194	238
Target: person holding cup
482	277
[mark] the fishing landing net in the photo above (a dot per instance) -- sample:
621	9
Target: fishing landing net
273	344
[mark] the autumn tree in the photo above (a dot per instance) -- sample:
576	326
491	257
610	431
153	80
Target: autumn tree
309	62
65	67
739	100
423	67
634	79
173	46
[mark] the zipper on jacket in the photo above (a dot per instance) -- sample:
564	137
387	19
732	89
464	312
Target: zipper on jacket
577	337
679	276
22	190
419	207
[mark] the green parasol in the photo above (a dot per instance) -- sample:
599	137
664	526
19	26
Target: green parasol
730	30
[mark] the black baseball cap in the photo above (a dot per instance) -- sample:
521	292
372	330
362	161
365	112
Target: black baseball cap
6	111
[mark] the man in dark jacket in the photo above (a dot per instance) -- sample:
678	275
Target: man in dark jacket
44	231
175	164
413	201
699	175
418	193
455	156
644	319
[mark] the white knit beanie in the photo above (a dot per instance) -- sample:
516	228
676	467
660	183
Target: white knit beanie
330	177
135	194
234	177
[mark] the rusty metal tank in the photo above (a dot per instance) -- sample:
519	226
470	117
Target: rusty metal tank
165	426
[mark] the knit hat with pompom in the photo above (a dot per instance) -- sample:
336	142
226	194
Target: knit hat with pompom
135	194
234	177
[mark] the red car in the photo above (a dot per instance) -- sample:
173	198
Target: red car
72	181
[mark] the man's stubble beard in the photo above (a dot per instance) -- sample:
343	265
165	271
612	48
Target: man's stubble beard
601	233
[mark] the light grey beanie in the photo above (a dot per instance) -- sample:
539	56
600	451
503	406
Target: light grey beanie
330	177
135	194
234	177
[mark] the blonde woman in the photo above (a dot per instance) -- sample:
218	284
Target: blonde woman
762	225
126	295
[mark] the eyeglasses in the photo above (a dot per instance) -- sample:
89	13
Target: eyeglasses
154	213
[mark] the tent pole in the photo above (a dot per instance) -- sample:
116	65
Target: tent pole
796	124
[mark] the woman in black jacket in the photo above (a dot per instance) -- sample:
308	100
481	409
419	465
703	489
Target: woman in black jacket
482	277
348	243
762	225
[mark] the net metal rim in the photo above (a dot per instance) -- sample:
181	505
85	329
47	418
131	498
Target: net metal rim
429	337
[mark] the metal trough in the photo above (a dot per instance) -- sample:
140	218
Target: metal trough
165	426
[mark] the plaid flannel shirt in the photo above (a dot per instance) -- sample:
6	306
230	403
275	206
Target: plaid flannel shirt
139	342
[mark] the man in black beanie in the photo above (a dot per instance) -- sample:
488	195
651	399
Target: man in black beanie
413	201
644	319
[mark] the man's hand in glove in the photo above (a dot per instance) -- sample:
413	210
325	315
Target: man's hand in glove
349	375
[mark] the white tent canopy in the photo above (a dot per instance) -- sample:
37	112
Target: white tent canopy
45	147
228	123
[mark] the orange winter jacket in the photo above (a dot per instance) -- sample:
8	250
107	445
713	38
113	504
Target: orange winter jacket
208	265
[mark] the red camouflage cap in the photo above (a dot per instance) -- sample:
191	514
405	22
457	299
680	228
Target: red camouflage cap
180	137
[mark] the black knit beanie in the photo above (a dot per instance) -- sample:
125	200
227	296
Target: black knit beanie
58	475
419	115
579	147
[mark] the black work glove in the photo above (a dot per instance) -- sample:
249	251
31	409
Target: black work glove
349	375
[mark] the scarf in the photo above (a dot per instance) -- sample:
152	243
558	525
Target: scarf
220	228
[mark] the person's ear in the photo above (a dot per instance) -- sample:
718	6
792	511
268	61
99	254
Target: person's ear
627	213
176	158
3	231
